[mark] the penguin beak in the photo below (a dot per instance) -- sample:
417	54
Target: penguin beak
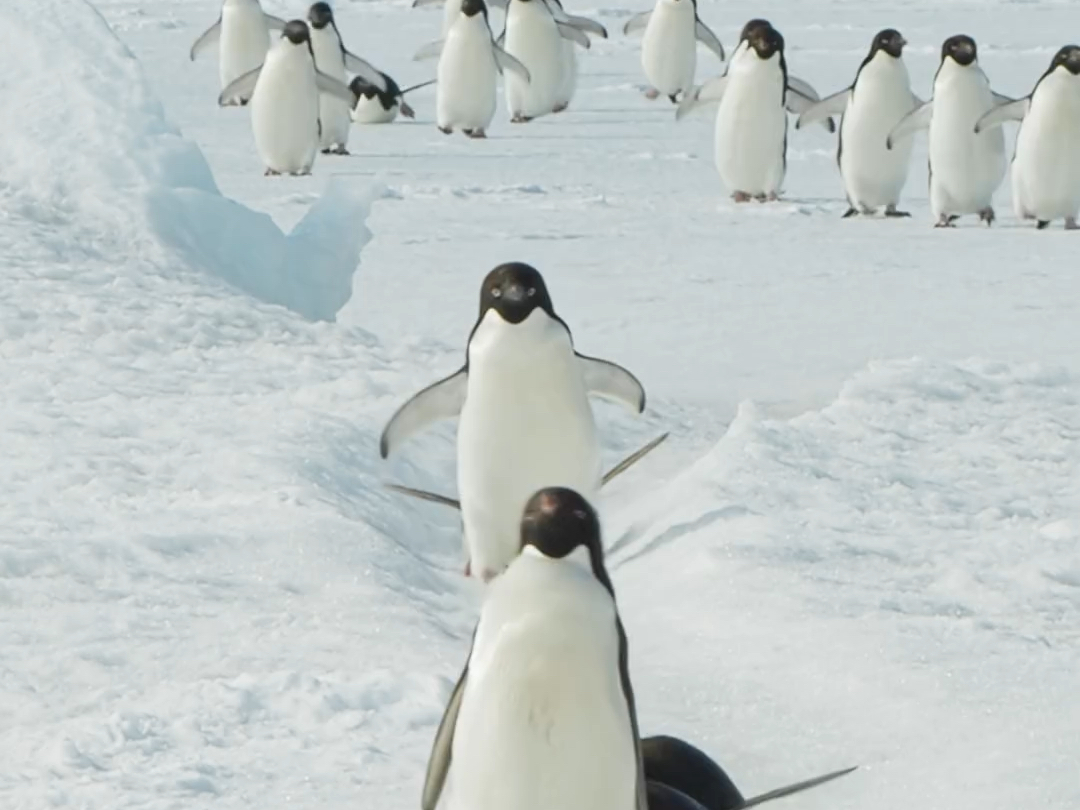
515	293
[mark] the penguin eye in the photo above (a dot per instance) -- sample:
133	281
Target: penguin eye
532	292
496	293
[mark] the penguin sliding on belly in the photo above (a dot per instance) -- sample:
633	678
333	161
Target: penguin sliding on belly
1046	164
525	418
242	32
374	106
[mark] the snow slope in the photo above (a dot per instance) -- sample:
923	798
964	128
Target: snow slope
860	544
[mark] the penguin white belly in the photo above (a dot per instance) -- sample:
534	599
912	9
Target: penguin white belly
465	90
285	112
333	112
751	130
874	175
966	168
533	38
371	111
244	42
543	722
1046	168
526	424
569	75
669	47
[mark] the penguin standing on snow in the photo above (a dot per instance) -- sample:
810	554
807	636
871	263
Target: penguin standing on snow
880	96
569	74
284	94
525	418
243	33
543	715
966	167
1046	164
668	48
374	106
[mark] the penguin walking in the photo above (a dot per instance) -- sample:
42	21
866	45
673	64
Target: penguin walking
284	94
242	32
569	74
469	60
525	418
755	94
333	59
543	714
1046	163
668	47
374	106
880	96
966	167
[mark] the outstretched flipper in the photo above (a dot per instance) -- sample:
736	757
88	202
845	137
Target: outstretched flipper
440	400
419	3
364	69
424	495
638	22
575	35
507	62
332	87
1011	111
826	108
584	24
1000	99
707	38
274	23
712	90
439	761
796	101
798	787
206	39
239	90
917	119
429	51
612	381
802	86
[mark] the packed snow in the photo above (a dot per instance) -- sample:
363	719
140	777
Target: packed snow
860	545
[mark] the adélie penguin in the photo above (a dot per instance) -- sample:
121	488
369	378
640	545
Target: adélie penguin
242	32
668	53
469	60
525	417
568	82
966	167
873	175
375	106
284	94
543	714
1046	163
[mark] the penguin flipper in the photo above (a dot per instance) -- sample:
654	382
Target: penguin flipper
507	62
640	793
429	51
332	87
797	787
712	90
1010	111
1000	99
798	102
206	39
826	108
612	381
917	119
576	35
419	3
274	23
440	400
638	22
364	69
439	761
585	24
706	37
241	88
805	89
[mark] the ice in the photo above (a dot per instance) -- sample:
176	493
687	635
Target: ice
859	545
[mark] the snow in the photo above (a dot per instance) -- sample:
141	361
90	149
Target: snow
861	543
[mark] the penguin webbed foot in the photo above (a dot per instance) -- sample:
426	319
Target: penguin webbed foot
741	197
558	108
851	212
947	221
336	149
1071	224
406	110
890	211
446	130
1043	224
518	118
271	173
652	94
673	98
475	133
987	215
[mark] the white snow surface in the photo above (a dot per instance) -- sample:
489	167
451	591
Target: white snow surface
860	545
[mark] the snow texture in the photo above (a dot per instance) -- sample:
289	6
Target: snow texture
861	543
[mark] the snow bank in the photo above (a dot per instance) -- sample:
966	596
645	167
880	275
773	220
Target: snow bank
92	166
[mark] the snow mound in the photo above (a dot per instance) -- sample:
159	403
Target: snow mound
92	166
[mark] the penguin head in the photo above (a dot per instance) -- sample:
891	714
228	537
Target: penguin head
961	48
320	15
514	290
890	41
1068	58
470	8
558	521
752	26
362	89
296	31
766	42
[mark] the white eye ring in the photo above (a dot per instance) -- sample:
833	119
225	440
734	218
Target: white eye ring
496	293
532	291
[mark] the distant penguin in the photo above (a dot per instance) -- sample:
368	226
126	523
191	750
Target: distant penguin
284	96
242	31
965	168
880	96
569	67
374	106
526	421
668	48
469	60
1046	164
543	715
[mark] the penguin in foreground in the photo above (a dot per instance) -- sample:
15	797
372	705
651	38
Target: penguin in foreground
966	167
1046	164
374	106
880	96
242	32
525	417
543	715
469	60
755	94
668	48
284	94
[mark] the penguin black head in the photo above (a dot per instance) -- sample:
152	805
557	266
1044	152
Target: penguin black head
557	521
470	8
961	48
514	290
320	15
766	41
296	31
1068	58
891	41
752	26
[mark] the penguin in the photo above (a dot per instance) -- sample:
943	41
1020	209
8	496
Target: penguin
284	95
242	31
1046	163
525	418
469	59
668	52
373	106
569	74
965	168
869	108
543	714
751	122
332	58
